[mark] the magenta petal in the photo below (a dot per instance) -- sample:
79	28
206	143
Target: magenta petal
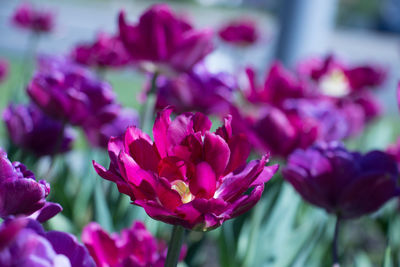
247	202
204	182
160	129
48	211
216	152
240	150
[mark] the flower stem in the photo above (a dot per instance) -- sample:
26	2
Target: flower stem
175	245
148	108
335	257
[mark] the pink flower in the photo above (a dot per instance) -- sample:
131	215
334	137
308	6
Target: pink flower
36	20
3	70
133	247
162	41
188	176
239	32
106	51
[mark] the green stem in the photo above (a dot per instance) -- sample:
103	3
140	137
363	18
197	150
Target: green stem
335	257
148	107
175	245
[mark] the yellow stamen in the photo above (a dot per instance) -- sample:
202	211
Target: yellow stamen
183	190
335	84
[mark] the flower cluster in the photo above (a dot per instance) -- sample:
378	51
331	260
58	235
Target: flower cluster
27	17
188	176
135	246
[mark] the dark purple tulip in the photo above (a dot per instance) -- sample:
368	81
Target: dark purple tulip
240	32
27	244
28	127
164	42
98	135
106	52
20	193
344	183
198	90
70	93
36	20
3	70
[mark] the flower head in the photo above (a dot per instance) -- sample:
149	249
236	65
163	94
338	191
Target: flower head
239	32
164	42
29	128
188	176
134	246
198	90
70	93
344	183
20	193
23	242
27	17
106	51
3	70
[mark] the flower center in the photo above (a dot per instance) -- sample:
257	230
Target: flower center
183	190
335	84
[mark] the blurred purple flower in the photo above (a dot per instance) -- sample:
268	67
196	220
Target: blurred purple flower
3	70
345	183
240	32
133	247
20	193
105	52
28	127
99	134
280	84
198	90
163	42
70	93
23	242
36	20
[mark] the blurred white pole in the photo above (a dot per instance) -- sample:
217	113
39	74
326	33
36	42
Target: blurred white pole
306	26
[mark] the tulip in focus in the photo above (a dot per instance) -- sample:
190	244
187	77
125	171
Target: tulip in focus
23	242
106	52
29	128
35	20
347	184
188	176
239	32
21	194
161	41
133	247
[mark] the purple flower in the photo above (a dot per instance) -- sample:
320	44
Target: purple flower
188	176
3	70
24	243
133	247
70	93
36	20
240	32
198	90
164	42
345	183
99	134
106	51
28	127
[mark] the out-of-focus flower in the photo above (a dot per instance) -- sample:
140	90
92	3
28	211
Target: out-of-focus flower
3	70
164	42
133	247
188	176
280	84
70	93
98	135
20	193
24	243
345	183
198	90
28	127
36	20
239	32
106	52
